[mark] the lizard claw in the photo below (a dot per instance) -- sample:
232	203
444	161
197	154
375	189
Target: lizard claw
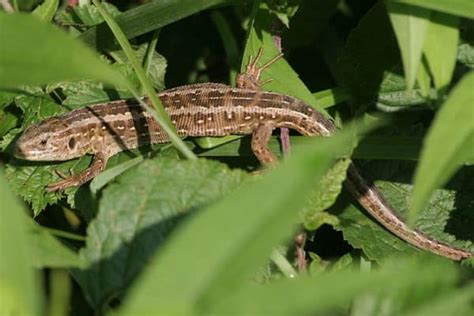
61	174
264	82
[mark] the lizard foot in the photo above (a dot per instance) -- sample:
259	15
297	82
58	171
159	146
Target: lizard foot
68	182
250	79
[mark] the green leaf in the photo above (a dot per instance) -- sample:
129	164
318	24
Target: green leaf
410	25
87	14
6	98
46	10
20	286
211	142
324	195
37	108
447	145
323	294
394	96
81	93
256	216
284	9
464	8
440	48
466	55
145	18
156	66
8	120
55	57
59	293
456	302
136	216
48	252
29	180
329	97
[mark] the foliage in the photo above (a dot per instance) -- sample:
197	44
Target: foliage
155	234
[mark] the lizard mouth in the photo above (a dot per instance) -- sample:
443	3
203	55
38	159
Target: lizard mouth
19	152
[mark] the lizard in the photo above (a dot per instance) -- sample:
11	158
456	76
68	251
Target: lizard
206	109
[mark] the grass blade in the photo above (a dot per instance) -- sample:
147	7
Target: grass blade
46	10
160	115
20	288
464	8
146	18
410	24
441	47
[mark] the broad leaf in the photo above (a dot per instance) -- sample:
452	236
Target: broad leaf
455	302
48	252
137	214
255	217
324	195
393	287
86	15
30	179
55	57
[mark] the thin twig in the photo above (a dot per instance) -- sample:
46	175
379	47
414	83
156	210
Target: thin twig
286	147
284	132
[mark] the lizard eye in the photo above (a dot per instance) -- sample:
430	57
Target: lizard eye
43	142
71	143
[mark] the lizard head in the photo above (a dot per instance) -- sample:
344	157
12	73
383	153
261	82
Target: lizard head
45	140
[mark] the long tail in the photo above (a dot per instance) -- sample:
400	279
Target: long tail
367	193
370	198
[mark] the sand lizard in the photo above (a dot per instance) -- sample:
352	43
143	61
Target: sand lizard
207	109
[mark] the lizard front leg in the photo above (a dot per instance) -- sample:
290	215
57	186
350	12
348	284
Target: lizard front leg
250	79
98	165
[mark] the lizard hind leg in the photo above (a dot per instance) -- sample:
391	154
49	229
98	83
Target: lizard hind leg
250	79
260	137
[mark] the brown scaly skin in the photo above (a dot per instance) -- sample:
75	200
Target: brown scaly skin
202	110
